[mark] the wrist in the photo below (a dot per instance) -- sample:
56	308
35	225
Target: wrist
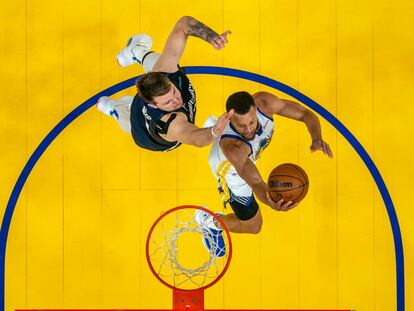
212	132
260	189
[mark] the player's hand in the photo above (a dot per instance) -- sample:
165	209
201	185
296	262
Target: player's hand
320	144
219	41
280	205
222	122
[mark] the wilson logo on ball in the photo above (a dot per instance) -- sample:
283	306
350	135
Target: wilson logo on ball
277	183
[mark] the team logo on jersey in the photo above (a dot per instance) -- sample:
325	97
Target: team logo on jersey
145	113
191	103
262	146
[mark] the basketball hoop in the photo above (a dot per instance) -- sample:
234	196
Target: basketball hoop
178	259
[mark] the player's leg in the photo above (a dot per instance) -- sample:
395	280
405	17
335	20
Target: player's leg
119	109
138	50
246	218
212	232
239	195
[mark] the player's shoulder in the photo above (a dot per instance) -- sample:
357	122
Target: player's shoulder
174	70
234	146
267	103
263	96
178	116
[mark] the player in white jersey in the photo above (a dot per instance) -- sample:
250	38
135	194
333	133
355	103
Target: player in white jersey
232	158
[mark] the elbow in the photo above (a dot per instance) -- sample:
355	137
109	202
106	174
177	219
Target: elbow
184	23
262	95
185	19
308	116
200	144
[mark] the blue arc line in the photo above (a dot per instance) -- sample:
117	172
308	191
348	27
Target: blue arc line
398	246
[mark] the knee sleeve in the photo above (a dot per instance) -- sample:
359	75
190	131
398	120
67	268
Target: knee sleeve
149	60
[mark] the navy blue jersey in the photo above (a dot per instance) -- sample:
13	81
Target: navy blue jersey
146	124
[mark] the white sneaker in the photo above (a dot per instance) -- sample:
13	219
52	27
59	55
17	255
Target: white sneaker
137	47
212	235
106	105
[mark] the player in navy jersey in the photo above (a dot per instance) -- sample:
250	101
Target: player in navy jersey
161	116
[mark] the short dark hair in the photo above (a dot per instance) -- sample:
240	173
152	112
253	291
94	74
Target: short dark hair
240	102
153	84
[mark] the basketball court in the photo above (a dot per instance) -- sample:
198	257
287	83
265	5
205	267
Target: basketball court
80	200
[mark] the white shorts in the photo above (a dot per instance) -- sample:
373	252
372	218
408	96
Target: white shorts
232	187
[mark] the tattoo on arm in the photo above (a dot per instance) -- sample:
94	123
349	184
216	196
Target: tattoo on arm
198	29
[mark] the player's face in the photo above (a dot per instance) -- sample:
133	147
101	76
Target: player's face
170	101
245	124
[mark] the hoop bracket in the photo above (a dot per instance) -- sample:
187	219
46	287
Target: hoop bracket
192	300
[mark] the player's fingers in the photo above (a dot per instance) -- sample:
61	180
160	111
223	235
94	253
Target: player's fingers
325	147
271	202
224	120
214	44
285	208
230	113
219	42
223	124
330	154
223	36
268	196
222	39
223	116
293	205
327	150
219	127
222	44
280	203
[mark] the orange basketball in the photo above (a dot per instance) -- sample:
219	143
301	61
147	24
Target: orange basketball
288	181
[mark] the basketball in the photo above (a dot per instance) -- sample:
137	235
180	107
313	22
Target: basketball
288	181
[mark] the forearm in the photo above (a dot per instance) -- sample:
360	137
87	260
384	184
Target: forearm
312	123
251	175
195	28
199	137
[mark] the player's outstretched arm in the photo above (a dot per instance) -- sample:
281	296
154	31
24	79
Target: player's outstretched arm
237	152
187	133
177	40
271	104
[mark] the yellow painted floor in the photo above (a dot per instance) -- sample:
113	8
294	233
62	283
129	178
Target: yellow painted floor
77	235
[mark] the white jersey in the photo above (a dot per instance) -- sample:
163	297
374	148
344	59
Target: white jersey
224	171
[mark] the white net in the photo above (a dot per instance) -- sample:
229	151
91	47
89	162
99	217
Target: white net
185	254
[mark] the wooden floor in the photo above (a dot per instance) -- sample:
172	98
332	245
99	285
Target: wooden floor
77	235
